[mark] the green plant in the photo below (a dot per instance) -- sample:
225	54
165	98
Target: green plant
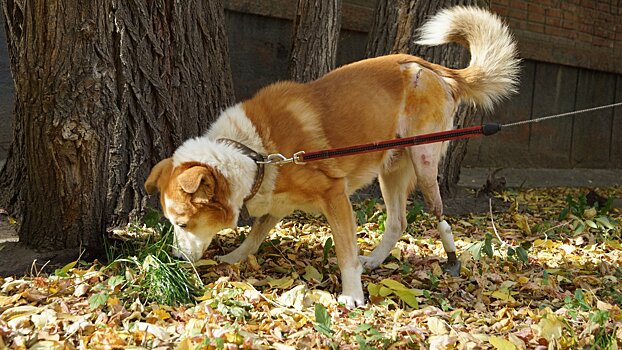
434	280
228	302
323	324
414	212
322	321
604	339
576	303
596	318
518	253
368	337
369	211
142	254
328	245
585	217
365	211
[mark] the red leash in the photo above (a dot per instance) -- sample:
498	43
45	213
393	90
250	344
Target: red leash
486	129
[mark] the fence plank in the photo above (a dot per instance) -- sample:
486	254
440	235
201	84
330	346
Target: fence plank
616	129
554	92
510	146
357	15
591	135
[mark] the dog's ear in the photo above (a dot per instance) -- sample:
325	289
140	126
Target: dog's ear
159	175
193	177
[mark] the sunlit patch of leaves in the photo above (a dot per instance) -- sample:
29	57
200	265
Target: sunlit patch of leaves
565	295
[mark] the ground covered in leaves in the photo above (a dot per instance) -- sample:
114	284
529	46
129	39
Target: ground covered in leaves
543	273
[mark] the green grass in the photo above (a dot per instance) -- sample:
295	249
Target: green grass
141	254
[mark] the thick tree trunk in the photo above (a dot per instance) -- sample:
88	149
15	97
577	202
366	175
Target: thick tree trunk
394	31
103	90
315	38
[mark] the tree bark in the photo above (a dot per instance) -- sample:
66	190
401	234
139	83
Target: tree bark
394	31
103	90
315	38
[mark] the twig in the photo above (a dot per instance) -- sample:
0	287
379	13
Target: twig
494	228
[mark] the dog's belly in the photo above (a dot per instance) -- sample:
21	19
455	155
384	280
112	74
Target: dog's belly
285	203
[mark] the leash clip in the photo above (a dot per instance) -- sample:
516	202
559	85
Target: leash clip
279	159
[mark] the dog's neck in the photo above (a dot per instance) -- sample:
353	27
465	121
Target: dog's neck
257	157
233	124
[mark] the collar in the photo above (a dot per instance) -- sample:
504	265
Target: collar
255	156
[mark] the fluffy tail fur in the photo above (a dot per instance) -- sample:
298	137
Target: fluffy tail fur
493	71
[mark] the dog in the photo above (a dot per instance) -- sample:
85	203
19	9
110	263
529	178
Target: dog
207	181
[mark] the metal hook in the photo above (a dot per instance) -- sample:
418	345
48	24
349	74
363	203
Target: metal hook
279	159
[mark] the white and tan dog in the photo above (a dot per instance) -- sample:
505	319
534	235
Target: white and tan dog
209	178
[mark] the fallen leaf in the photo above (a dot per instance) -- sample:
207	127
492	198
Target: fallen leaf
437	326
550	328
294	297
442	342
281	283
312	274
501	344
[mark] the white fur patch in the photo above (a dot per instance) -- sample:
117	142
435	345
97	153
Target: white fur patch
447	237
190	246
237	168
234	124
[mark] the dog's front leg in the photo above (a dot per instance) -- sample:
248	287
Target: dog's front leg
338	212
259	231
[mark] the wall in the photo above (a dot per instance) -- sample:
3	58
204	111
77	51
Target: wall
580	33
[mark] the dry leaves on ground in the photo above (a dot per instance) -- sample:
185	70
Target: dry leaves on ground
563	294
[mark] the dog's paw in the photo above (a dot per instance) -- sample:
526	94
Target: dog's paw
351	301
452	267
370	262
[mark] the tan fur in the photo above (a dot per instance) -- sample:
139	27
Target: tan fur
202	190
371	100
158	178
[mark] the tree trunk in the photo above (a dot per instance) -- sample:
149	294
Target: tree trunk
394	31
315	38
103	90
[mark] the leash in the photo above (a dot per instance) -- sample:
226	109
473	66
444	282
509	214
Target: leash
486	129
537	120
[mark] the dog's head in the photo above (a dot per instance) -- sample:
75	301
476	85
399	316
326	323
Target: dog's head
195	199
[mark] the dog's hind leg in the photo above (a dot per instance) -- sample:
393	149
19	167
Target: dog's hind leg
255	237
394	183
426	159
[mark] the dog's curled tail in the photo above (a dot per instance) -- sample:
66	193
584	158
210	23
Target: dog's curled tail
493	71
